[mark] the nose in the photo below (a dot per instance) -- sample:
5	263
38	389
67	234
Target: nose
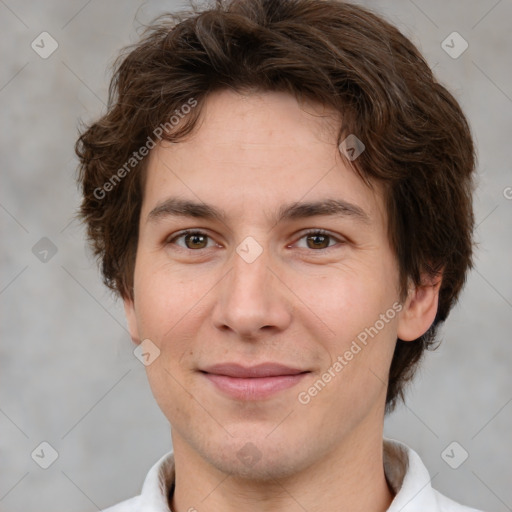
252	298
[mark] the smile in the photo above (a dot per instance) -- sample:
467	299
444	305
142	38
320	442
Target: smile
253	383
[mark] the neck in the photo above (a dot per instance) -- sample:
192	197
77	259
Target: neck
351	476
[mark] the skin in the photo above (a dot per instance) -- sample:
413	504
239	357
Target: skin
201	303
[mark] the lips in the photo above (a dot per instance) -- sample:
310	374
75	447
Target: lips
253	382
258	371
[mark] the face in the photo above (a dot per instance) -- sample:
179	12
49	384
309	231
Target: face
275	322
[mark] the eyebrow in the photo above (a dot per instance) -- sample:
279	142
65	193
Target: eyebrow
176	207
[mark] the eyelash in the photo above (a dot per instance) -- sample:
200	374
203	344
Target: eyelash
310	232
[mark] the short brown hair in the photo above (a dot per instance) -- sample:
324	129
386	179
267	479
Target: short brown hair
418	142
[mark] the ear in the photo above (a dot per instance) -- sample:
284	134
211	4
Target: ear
420	308
131	318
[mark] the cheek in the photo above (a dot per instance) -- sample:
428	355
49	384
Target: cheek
344	300
166	304
169	309
164	296
355	321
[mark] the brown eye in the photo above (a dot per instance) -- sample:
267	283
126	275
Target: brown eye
193	240
318	241
196	241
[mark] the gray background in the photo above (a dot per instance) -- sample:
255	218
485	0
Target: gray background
67	372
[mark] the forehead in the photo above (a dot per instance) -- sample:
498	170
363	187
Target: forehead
253	153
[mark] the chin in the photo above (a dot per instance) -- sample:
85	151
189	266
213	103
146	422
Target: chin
258	457
266	466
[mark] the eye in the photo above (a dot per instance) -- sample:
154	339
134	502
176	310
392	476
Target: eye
195	240
192	240
319	239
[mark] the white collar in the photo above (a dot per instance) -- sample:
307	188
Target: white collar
404	470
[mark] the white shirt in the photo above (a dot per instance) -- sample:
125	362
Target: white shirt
404	470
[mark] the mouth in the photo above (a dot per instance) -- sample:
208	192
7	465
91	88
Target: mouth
254	382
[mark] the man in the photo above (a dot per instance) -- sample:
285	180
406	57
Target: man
280	192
